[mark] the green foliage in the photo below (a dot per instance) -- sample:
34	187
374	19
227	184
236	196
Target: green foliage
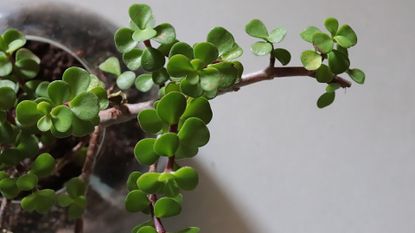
167	144
326	99
311	60
43	165
111	65
167	207
144	151
171	107
136	201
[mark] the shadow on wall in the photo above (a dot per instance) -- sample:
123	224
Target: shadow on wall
207	207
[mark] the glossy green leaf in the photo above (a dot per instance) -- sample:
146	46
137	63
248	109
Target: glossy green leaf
27	63
102	96
210	79
111	65
8	188
171	107
27	182
149	182
144	82
322	42
61	118
167	207
77	208
277	35
311	60
200	108
166	34
170	187
357	75
282	55
308	33
346	37
42	89
331	87
6	66
75	187
7	98
85	106
132	180
14	40
28	203
152	59
140	14
44	123
78	79
123	38
193	90
323	74
179	65
326	99
194	132
331	25
206	52
27	113
145	34
132	59
166	144
9	83
149	121
64	200
338	62
181	48
187	178
232	54
59	91
160	77
81	128
125	80
222	39
144	151
261	48
43	165
257	29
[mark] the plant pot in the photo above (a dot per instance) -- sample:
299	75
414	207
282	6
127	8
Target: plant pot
88	39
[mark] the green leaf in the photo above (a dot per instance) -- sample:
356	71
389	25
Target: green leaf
6	66
166	144
44	107
152	59
85	106
187	178
81	128
75	187
171	87
179	66
181	48
78	79
8	188
145	34
311	60
27	182
166	34
282	55
189	230
27	113
61	118
111	65
194	132
170	187
136	201
210	79
140	14
77	208
200	108
28	203
323	74
346	37
149	121
132	180
322	42
233	53
160	77
7	98
171	107
44	123
357	75
64	200
331	87
27	63
59	91
193	90
308	33
144	151
144	82
43	165
125	80
261	48
338	62
102	96
132	59
331	25
42	89
146	229
222	39
277	35
149	182
13	39
124	42
9	83
206	52
257	29
45	199
166	207
326	99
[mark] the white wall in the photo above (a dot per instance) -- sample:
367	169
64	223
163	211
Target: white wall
278	164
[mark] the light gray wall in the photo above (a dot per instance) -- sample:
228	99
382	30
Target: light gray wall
275	162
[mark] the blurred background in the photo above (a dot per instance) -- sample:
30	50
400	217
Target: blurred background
276	163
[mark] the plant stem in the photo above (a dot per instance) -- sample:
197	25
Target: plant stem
122	113
3	207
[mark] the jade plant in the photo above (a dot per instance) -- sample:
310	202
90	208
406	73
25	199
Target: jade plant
35	113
